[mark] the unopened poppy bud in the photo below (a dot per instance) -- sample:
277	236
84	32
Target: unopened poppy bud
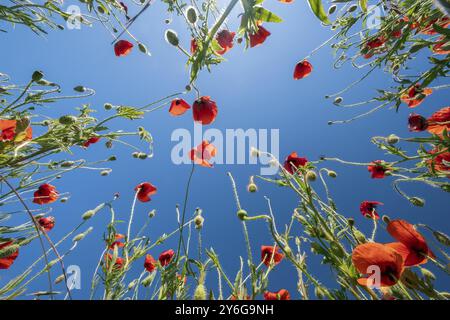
301	219
392	139
311	176
351	222
427	274
442	238
135	154
112	158
108	106
88	214
418	202
198	220
37	76
80	89
105	173
147	281
59	279
188	88
332	9
332	174
200	292
52	263
252	187
142	48
142	156
152	213
65	199
67	120
352	8
242	214
191	15
410	279
386	219
338	100
172	37
67	164
288	250
167	21
359	236
132	284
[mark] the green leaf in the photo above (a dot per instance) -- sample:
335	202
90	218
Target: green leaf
317	8
363	5
266	15
441	30
129	113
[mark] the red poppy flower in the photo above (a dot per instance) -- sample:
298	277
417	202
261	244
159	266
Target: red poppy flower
302	69
90	141
144	191
440	163
150	263
194	45
271	255
376	43
117	242
225	39
368	209
377	169
166	257
178	107
8	131
117	265
429	29
259	37
203	153
370	254
417	123
6	262
47	223
204	110
442	42
396	33
282	294
122	48
46	193
439	121
293	162
415	96
411	244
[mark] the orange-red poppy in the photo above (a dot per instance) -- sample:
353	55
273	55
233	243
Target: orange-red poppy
46	193
439	121
144	191
293	162
178	107
282	294
417	123
6	262
118	264
204	110
388	260
150	263
415	96
271	255
165	257
369	209
203	153
302	69
259	37
225	39
47	223
8	131
117	241
90	141
411	245
122	48
377	169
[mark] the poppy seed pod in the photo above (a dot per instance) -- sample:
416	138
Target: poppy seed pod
418	202
172	37
392	139
442	238
191	15
198	220
108	106
242	214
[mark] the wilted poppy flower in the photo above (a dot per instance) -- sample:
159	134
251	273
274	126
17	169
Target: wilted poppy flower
293	162
203	153
439	121
122	48
117	242
46	193
150	263
440	163
302	69
118	264
47	223
204	110
178	107
259	37
415	96
282	294
8	131
144	191
411	244
7	261
225	40
377	169
368	209
166	257
370	254
90	141
271	255
194	45
417	123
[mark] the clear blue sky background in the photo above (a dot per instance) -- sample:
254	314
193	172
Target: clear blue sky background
253	89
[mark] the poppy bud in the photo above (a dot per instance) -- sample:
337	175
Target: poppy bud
188	88
200	292
59	279
108	106
386	219
132	284
67	164
445	187
142	48
142	156
66	120
135	154
410	279
392	139
172	37
82	235
105	173
88	214
152	213
191	15
442	238
351	222
80	89
301	219
418	202
37	76
428	275
252	187
65	199
332	9
242	214
198	220
311	176
332	174
167	21
352	8
359	236
147	281
338	100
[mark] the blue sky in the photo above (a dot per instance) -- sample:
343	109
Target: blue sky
253	89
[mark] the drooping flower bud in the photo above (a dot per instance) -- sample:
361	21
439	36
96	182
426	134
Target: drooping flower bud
311	176
332	174
418	202
172	37
37	76
392	139
242	214
191	14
